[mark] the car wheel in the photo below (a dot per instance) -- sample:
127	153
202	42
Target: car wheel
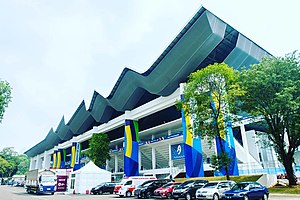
265	197
215	197
128	194
246	197
100	192
169	195
148	195
188	196
175	198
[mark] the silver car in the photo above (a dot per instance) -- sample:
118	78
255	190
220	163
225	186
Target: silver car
213	190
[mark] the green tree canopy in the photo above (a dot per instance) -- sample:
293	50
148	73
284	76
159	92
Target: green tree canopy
13	163
5	97
208	97
273	92
99	149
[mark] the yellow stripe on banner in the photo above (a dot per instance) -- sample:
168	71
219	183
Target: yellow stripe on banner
58	160
189	134
54	160
73	156
128	141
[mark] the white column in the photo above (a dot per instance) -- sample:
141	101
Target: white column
47	160
140	159
32	165
106	166
116	163
170	156
37	164
153	158
245	144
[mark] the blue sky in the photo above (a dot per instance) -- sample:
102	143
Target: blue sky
55	53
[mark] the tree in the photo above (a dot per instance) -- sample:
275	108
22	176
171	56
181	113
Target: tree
3	166
23	164
11	156
5	97
99	149
272	92
208	97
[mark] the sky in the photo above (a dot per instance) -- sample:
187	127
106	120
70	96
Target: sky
56	53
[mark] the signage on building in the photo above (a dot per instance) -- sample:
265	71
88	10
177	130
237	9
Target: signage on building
61	185
177	151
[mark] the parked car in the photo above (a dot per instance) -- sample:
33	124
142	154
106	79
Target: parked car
214	190
166	191
128	184
188	189
246	191
106	187
146	190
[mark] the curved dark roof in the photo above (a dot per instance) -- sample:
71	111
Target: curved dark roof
206	39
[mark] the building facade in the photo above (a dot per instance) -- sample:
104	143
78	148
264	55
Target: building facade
147	132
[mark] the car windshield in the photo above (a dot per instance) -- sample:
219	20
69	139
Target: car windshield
240	186
48	178
186	184
147	183
210	185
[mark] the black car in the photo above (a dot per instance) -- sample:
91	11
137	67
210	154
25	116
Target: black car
146	189
188	189
106	187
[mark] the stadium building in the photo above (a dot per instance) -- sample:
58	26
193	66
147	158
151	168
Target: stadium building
148	135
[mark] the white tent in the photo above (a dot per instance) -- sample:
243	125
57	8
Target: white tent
87	177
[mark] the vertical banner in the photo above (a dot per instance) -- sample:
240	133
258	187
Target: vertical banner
131	162
225	142
75	155
54	159
59	151
192	145
61	159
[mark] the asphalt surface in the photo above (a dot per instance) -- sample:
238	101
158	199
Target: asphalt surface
18	193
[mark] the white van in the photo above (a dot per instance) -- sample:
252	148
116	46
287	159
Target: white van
128	184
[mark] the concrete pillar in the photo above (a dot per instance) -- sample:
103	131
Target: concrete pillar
170	156
32	164
106	166
37	164
245	144
140	159
47	160
116	163
153	158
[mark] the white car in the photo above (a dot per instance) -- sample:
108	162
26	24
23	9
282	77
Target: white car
213	190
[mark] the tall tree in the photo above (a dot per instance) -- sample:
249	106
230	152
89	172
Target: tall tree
5	97
11	156
207	99
99	149
23	164
273	93
4	165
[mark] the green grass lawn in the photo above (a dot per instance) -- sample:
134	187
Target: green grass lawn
285	189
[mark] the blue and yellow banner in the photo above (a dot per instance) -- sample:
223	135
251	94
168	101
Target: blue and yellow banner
75	155
192	147
54	159
61	158
225	142
131	148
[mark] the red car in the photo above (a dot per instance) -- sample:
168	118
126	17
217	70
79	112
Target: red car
166	190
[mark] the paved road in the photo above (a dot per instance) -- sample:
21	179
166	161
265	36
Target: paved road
18	193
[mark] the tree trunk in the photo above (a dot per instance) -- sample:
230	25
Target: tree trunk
288	165
227	173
